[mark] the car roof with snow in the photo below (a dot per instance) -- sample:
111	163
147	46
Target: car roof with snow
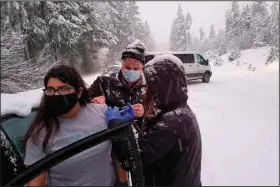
20	104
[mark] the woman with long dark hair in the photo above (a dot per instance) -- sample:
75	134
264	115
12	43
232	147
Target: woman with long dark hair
65	115
170	147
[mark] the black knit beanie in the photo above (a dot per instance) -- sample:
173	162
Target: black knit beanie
136	51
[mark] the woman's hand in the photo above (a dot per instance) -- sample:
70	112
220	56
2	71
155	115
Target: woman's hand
98	100
138	110
39	181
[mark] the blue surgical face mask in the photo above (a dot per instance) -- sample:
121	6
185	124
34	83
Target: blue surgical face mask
131	75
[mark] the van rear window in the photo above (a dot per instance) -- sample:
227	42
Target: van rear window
186	58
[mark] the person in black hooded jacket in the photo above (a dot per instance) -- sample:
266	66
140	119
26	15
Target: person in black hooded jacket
170	148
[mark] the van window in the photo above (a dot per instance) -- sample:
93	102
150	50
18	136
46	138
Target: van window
186	58
148	58
200	59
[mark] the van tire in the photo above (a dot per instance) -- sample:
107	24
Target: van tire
206	77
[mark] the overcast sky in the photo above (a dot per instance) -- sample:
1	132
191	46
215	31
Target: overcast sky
160	15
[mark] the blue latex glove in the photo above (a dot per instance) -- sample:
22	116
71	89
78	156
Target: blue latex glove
113	113
128	113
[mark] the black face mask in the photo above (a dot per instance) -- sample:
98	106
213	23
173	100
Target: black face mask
61	104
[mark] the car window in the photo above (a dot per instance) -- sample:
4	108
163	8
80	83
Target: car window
115	68
200	59
111	69
185	58
148	58
16	127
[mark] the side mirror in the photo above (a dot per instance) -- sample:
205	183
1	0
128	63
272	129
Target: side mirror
207	62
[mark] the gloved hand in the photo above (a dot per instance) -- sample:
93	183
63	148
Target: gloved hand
113	113
128	113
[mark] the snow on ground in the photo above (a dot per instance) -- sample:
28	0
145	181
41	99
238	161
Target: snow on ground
22	102
238	114
251	57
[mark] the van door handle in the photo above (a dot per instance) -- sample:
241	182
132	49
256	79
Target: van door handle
190	65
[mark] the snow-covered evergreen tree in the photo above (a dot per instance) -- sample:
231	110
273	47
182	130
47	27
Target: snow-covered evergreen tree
188	31
212	32
173	36
259	23
181	42
72	32
245	33
274	24
149	39
274	32
201	34
179	36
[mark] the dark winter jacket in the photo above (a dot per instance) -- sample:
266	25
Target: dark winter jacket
171	149
117	92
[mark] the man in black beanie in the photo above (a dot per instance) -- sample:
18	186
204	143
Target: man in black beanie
126	86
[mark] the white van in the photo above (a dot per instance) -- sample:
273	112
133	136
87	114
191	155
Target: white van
195	65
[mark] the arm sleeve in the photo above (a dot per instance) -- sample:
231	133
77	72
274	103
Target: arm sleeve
33	153
95	88
120	144
156	144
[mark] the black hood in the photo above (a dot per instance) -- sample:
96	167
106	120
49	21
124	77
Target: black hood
165	77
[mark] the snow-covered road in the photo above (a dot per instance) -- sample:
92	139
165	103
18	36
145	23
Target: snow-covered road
238	113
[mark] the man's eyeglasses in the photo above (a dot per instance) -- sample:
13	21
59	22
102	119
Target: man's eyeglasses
61	91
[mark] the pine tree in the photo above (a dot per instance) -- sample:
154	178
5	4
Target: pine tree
72	32
188	28
201	34
137	25
274	33
229	24
259	23
245	38
178	36
181	30
274	24
149	40
234	30
212	33
120	27
173	36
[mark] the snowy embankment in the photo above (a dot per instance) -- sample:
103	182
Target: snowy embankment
250	59
238	114
22	102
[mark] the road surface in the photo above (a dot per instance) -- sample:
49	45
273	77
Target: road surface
238	113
